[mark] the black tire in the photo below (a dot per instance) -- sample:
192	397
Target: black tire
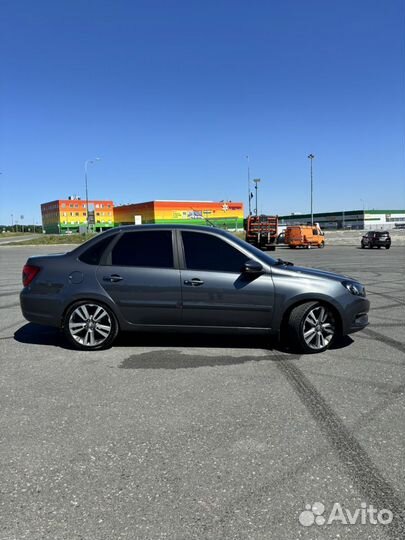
296	327
362	246
388	247
79	339
321	245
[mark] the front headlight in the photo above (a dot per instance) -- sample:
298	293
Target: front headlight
355	288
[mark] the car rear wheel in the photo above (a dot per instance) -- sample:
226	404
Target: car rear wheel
312	327
388	247
90	326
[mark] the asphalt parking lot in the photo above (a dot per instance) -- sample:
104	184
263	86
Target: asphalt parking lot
186	437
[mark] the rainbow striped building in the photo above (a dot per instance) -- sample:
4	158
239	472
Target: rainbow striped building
220	214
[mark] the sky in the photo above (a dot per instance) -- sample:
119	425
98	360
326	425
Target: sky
173	95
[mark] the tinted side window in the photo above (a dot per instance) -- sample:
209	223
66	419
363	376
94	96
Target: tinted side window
94	253
208	252
152	249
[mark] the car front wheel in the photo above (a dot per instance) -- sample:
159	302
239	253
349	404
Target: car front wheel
90	326
312	327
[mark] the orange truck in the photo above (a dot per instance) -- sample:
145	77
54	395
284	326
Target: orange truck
306	236
261	231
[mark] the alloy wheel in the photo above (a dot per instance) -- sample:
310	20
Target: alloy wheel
90	325
318	328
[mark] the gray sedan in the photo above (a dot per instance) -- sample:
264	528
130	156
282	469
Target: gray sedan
188	278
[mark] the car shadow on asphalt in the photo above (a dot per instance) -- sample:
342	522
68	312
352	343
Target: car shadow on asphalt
36	334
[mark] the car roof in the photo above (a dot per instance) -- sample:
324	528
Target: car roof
150	227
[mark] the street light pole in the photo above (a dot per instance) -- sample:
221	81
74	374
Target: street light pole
256	181
86	163
311	157
248	178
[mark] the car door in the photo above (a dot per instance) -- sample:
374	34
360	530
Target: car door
215	291
140	273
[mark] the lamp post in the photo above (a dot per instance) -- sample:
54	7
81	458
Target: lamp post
256	181
86	164
311	157
12	222
248	179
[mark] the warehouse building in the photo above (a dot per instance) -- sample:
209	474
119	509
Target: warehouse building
350	219
70	215
224	214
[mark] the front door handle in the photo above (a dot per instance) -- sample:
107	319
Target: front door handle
113	278
195	282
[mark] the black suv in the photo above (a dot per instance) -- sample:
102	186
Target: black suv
376	239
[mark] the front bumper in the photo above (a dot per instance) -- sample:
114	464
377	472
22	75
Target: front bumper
356	316
360	322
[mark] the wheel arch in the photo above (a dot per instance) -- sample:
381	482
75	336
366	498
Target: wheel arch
304	300
91	298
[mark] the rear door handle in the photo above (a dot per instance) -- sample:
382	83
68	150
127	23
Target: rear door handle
113	278
195	282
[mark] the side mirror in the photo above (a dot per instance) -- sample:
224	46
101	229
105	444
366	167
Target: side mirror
252	267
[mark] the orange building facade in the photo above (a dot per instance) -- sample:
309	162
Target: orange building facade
70	215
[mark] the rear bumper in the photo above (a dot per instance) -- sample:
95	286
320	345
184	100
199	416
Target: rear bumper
41	309
263	240
376	243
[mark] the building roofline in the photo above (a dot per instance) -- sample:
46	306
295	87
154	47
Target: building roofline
341	212
182	201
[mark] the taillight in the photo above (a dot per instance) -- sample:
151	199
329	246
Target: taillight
28	274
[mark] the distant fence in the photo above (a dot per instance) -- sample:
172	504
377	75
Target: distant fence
229	224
